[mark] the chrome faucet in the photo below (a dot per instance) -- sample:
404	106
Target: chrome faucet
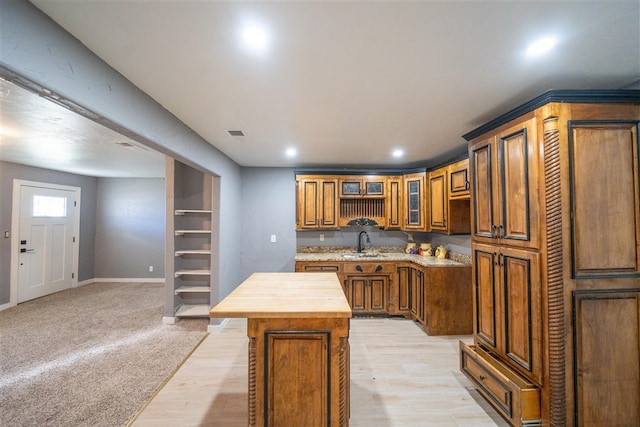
360	245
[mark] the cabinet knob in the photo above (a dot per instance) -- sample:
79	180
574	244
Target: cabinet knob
378	267
359	267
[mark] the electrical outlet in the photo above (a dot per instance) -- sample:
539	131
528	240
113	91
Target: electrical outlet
7	234
321	237
273	238
151	268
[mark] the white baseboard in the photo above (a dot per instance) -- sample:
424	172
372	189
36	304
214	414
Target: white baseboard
220	327
7	305
169	320
127	280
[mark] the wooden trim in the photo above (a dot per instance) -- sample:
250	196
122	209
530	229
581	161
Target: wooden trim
555	282
567	96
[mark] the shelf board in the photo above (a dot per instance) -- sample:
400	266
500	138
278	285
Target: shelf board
193	273
192	211
193	310
181	232
193	289
194	252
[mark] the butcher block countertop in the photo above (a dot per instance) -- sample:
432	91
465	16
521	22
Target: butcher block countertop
286	295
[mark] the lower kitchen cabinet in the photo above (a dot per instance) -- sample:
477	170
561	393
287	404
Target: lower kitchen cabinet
368	294
448	301
439	298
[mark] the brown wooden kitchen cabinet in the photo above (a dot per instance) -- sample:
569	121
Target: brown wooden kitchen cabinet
505	175
317	202
362	186
508	305
401	294
415	201
395	193
438	212
447	300
368	294
459	180
555	205
449	208
368	286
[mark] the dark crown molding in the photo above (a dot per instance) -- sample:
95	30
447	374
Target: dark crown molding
568	96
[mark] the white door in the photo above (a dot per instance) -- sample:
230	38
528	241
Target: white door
46	240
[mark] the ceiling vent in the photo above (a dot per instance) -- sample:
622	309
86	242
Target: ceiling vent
236	133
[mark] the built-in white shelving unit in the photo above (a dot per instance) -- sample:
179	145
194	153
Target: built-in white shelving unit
190	238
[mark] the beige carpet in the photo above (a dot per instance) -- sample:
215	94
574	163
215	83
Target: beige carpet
89	356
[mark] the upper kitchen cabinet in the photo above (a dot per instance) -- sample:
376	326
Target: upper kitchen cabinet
414	202
395	196
362	198
449	210
459	184
317	202
362	186
504	170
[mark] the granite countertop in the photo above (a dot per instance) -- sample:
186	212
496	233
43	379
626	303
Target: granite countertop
379	254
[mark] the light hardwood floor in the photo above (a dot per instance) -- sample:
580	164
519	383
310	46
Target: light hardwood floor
399	377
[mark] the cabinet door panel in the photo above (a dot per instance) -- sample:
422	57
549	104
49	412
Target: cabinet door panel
480	158
414	201
309	196
522	293
403	300
514	161
607	345
394	206
486	297
378	294
357	294
605	206
438	199
329	204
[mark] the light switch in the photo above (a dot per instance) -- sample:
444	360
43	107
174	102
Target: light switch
273	238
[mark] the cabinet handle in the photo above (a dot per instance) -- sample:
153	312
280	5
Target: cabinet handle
494	231
500	231
482	378
359	267
378	268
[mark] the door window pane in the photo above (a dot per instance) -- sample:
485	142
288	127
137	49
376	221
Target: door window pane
48	206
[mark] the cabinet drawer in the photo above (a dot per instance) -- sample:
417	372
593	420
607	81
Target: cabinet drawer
514	397
369	267
318	267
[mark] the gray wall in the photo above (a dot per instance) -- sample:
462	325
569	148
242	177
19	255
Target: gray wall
11	171
268	208
130	222
36	51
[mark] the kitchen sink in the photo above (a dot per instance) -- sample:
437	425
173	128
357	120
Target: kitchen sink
362	255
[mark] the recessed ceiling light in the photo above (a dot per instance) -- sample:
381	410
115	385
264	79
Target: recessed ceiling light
541	46
397	153
255	38
291	152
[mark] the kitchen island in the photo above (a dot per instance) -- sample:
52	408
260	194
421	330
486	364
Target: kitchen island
298	329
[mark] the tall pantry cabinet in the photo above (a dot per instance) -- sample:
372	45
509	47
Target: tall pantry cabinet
191	240
555	210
